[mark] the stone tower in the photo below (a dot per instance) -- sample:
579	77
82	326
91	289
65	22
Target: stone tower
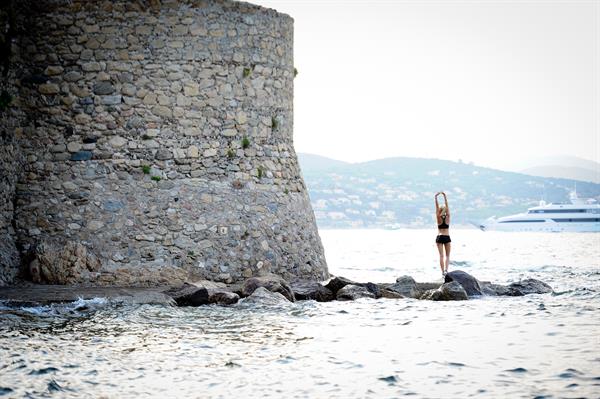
155	139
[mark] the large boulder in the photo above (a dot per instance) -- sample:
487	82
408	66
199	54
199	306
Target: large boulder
307	289
451	291
222	296
337	283
262	296
351	292
492	289
405	286
531	286
385	293
63	263
271	282
469	283
189	295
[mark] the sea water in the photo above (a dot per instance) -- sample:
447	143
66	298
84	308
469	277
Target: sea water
545	346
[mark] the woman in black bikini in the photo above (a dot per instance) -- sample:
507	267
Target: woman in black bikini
442	214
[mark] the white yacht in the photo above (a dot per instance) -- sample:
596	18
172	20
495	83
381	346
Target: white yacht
580	215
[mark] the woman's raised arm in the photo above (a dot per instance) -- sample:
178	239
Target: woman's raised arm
446	203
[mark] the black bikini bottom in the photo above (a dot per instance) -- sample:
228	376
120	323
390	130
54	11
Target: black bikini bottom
442	239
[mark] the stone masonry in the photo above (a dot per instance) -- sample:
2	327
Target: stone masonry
158	148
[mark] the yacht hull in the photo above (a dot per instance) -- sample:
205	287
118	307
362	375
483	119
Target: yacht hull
546	226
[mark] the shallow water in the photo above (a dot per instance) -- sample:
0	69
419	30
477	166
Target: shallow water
539	345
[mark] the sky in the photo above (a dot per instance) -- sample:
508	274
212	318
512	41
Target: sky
494	82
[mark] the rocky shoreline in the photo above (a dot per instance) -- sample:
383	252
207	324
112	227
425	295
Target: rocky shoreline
272	289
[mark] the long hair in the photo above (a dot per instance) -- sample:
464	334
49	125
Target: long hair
443	211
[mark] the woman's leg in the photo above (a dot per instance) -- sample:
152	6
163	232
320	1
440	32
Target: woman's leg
447	246
440	248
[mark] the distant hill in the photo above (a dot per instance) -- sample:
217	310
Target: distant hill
396	192
566	167
311	162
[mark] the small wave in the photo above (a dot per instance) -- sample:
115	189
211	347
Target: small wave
517	370
461	263
43	371
5	391
53	386
390	379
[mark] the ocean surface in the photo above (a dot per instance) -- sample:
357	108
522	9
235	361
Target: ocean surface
537	346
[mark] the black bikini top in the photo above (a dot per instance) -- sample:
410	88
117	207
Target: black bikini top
443	225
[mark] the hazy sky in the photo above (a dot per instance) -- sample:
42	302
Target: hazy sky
485	81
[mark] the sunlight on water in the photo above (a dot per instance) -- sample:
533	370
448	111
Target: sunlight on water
539	345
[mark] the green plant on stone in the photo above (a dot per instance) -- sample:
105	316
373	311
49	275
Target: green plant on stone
260	172
295	72
286	191
245	142
274	123
156	178
230	153
247	72
146	169
146	137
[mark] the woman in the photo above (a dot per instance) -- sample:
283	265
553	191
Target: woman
442	214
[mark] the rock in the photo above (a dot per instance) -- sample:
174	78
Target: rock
221	296
405	286
111	100
9	260
530	286
103	88
306	289
49	88
337	283
468	282
451	291
117	142
262	296
81	156
351	292
145	298
372	288
389	294
60	263
498	290
271	282
189	295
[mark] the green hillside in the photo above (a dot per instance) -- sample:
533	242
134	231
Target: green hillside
399	191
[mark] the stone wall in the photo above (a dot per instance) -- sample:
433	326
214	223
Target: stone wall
159	141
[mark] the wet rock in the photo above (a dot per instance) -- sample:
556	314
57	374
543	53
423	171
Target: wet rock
405	286
498	290
530	286
271	282
67	262
351	292
189	295
262	296
337	283
468	282
451	291
221	296
145	298
389	294
372	288
305	290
